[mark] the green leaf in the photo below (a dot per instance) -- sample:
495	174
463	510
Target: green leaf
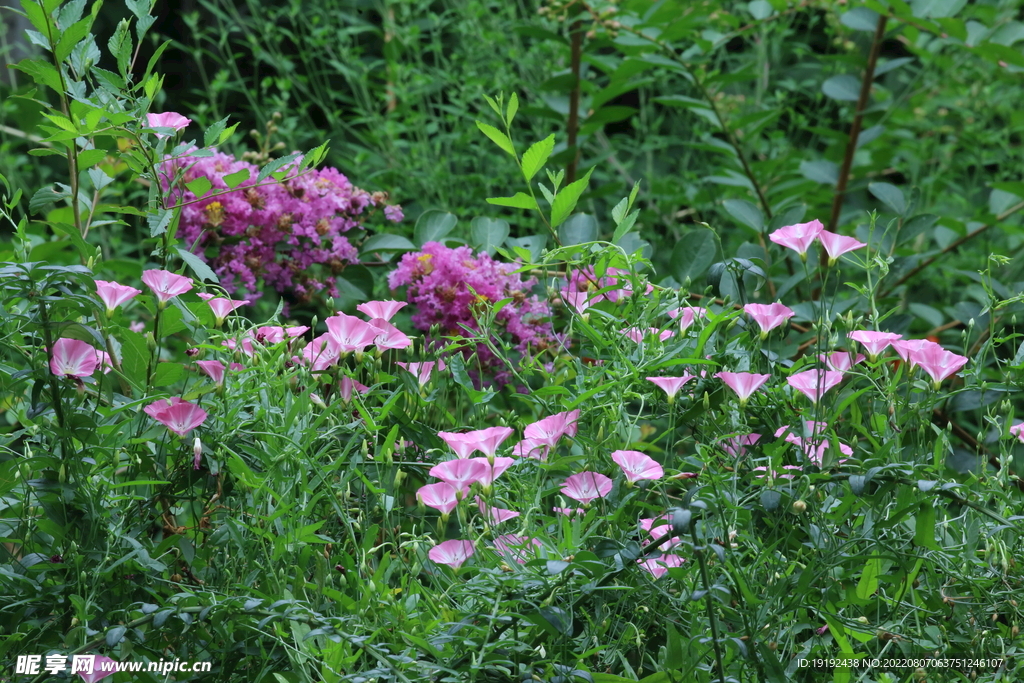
200	186
860	19
579	229
824	172
868	583
924	526
487	234
935	9
496	136
120	46
565	201
1000	200
198	266
520	200
694	254
41	72
760	9
513	107
233	180
890	195
36	16
432	226
625	226
167	374
458	371
770	499
845	88
45	196
134	357
746	213
159	221
213	132
384	242
71	37
535	157
275	165
356	282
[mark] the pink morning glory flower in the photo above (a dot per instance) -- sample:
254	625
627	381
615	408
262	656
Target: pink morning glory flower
389	336
874	342
101	668
814	383
441	496
587	486
531	448
179	416
381	309
837	245
165	285
737	445
798	237
168	119
637	335
660	565
113	294
552	428
347	386
493	468
486	441
938	362
743	383
462	473
580	300
349	333
223	307
514	546
1018	431
687	315
73	358
494	515
452	553
319	354
568	512
214	369
421	371
768	316
840	361
637	466
906	348
671	385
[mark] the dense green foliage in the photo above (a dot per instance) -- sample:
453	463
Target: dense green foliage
622	163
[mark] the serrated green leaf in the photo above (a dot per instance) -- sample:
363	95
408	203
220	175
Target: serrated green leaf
199	186
275	165
198	266
535	157
625	226
565	201
619	210
497	137
233	180
73	35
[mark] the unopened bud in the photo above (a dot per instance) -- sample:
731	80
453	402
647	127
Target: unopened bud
197	453
799	506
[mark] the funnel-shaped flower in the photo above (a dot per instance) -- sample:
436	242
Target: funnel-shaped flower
906	348
814	383
1018	431
381	309
214	369
452	553
113	294
494	515
492	470
347	386
349	333
179	416
837	245
422	370
658	566
737	445
671	385
73	358
462	473
168	119
484	440
874	342
798	237
531	448
587	486
769	316
389	336
636	466
577	299
552	428
938	362
687	315
441	496
101	668
514	546
840	361
319	354
223	307
743	383
638	335
166	285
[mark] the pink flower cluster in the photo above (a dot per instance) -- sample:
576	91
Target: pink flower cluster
450	286
289	234
799	238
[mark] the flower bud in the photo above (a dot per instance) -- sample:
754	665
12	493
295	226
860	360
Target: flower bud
799	507
197	453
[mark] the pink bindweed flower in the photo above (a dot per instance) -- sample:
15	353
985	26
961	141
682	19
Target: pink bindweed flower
166	285
815	447
138	326
493	468
775	474
514	546
179	416
462	473
906	348
531	448
637	466
441	496
484	440
348	333
687	315
660	565
101	668
73	358
214	369
1018	431
494	515
319	354
580	300
587	486
874	342
657	526
814	383
452	553
222	308
938	362
385	310
168	119
768	317
422	371
840	361
798	237
837	245
671	385
552	428
389	336
737	445
113	294
347	386
743	383
637	335
568	512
